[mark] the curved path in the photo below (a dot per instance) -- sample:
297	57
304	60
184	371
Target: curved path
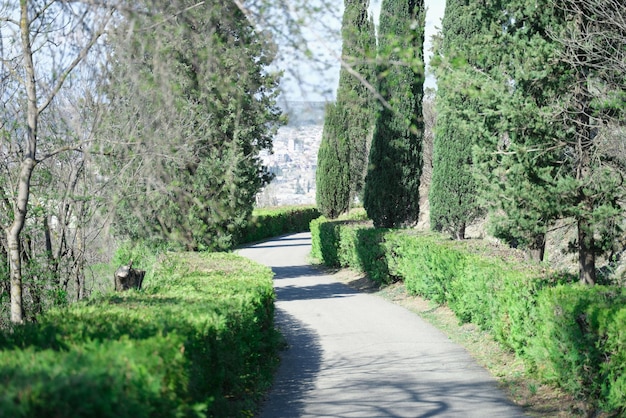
352	354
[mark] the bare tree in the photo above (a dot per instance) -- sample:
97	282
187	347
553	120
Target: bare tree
54	38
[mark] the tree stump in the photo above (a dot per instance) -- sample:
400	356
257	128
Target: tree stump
126	277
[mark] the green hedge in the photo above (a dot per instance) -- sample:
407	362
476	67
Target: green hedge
268	223
197	341
581	342
573	336
350	243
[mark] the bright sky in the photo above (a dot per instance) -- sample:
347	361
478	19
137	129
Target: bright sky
316	79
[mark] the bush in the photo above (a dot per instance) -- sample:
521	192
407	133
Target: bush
122	378
427	265
350	243
267	223
199	337
325	241
578	341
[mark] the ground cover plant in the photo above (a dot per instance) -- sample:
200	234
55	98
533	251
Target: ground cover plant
198	340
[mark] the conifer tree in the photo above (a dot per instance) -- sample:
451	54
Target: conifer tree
391	195
342	157
452	196
332	174
354	92
196	103
558	106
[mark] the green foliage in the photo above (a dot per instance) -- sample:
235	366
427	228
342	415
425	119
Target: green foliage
362	249
353	93
201	103
333	169
200	337
576	341
613	367
391	195
453	192
427	265
325	241
351	243
267	223
123	378
143	256
514	82
348	123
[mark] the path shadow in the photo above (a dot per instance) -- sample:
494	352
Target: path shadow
322	290
300	364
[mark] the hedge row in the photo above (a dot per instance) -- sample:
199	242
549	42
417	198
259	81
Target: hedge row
199	340
572	336
268	223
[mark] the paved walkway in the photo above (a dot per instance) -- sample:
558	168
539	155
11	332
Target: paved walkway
353	354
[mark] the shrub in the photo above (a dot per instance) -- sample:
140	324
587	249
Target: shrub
200	336
122	378
576	336
267	223
427	265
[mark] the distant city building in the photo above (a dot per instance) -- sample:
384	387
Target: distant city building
294	159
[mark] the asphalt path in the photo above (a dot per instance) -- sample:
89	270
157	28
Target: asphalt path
352	354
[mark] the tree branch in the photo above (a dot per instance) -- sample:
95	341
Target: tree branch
81	55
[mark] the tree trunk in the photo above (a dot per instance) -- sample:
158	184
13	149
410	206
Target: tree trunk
460	232
26	170
15	269
584	149
537	249
586	253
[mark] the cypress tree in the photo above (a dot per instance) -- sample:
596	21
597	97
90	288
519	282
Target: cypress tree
453	195
354	92
391	195
332	174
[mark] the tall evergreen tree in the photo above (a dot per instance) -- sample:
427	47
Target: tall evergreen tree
332	174
354	93
391	195
559	103
348	125
453	194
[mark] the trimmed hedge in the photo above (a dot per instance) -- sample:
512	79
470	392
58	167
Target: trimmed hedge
268	223
197	341
350	244
573	336
581	343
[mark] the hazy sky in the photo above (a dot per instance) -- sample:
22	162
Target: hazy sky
316	78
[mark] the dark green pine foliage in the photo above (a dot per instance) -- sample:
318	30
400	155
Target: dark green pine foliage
391	195
332	174
517	167
548	157
561	116
453	193
354	93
